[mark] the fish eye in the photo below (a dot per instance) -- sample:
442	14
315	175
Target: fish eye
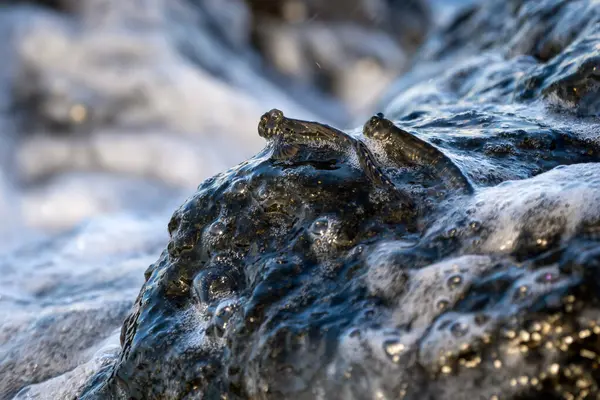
277	115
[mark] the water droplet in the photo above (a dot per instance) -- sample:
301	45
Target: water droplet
221	318
220	286
239	187
475	225
442	305
459	329
217	228
213	284
521	293
454	281
320	226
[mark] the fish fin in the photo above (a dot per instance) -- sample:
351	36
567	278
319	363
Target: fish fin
283	151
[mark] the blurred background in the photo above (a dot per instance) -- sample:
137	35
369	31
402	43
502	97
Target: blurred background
112	106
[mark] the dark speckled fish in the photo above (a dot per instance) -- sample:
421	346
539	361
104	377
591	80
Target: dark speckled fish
288	134
405	148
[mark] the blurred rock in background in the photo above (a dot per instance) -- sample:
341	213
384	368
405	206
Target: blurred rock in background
168	93
349	49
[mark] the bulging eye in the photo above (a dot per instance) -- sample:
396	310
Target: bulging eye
277	115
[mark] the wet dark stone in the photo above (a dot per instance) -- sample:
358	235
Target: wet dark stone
301	278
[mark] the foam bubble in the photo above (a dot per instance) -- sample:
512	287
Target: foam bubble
530	214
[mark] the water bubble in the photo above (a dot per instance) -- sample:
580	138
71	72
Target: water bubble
263	193
454	281
239	187
475	225
220	286
521	293
213	284
217	228
221	318
459	329
320	226
355	252
442	305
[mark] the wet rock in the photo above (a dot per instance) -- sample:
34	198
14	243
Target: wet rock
298	310
276	252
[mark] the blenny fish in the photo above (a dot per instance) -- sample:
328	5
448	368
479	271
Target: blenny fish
289	134
403	148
